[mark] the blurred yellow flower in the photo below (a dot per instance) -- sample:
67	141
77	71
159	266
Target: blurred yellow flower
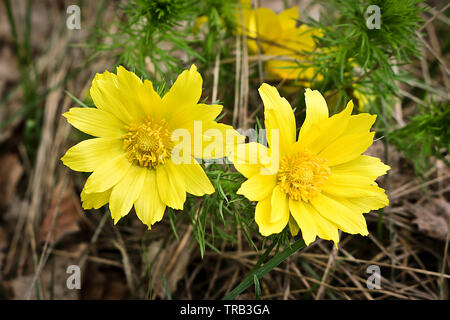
279	36
321	182
199	22
364	99
132	155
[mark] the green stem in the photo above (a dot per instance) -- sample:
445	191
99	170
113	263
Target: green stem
266	268
380	225
388	182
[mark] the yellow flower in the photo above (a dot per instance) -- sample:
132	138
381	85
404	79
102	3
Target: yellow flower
364	99
318	182
132	156
297	65
280	36
199	22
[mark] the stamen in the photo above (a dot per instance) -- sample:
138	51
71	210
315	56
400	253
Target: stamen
148	143
302	175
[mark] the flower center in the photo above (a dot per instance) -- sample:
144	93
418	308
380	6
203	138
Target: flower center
302	175
148	143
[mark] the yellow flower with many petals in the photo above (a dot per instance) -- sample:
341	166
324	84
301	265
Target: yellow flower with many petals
131	156
298	66
279	36
322	182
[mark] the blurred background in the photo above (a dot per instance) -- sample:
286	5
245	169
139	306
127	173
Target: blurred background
51	50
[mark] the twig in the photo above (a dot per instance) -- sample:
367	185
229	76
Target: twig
444	264
331	259
436	14
216	77
47	249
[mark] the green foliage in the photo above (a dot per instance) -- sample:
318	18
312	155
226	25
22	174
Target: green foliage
219	216
150	36
153	37
426	135
29	85
351	54
262	269
220	22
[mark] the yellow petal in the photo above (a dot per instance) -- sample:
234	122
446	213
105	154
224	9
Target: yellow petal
367	204
127	80
288	18
171	187
130	88
282	69
263	213
195	180
262	23
105	76
94	200
149	207
95	122
342	216
346	148
346	186
108	175
150	101
185	117
356	210
360	123
107	96
125	95
296	42
363	165
316	112
245	4
304	219
125	193
354	207
230	138
280	205
258	187
360	191
331	129
90	154
302	39
250	158
325	228
186	90
279	116
207	139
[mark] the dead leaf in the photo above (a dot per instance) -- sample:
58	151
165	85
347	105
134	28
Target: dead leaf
2	259
433	217
3	246
10	172
173	272
53	278
19	286
9	70
105	285
3	239
68	217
